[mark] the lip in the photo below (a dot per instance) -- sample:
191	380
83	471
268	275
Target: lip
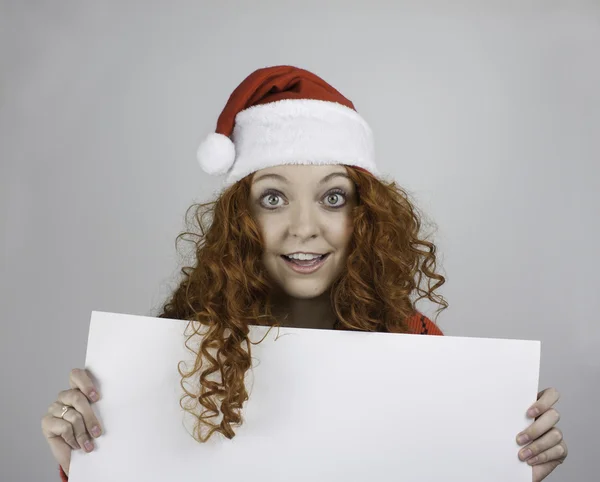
305	269
305	252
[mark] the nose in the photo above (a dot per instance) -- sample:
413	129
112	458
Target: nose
303	222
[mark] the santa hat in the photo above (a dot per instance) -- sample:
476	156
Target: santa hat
286	115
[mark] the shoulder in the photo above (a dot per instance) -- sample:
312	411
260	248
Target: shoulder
419	324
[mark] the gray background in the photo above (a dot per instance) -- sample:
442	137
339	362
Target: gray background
487	112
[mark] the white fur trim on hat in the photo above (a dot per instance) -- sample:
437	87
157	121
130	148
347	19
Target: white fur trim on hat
300	131
216	154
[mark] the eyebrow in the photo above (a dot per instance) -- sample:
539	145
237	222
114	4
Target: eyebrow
283	179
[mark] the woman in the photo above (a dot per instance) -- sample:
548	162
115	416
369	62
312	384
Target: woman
305	233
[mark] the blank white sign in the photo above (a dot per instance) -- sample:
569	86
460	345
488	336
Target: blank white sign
324	406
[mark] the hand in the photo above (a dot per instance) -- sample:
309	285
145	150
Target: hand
548	449
72	431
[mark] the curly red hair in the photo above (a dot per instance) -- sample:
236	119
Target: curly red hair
228	289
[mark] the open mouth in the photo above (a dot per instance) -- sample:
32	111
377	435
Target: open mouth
305	265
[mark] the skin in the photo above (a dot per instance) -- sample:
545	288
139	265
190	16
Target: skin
302	219
303	209
75	431
546	444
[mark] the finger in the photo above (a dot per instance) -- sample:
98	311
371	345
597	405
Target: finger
61	451
556	452
543	469
76	420
546	399
53	427
538	428
80	379
550	439
540	472
80	402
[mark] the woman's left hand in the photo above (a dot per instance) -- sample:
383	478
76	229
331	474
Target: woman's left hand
547	449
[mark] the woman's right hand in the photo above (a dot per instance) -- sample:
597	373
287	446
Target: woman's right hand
78	426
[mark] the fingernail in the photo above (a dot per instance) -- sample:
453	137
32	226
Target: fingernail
523	439
89	446
532	461
94	396
526	454
533	412
96	431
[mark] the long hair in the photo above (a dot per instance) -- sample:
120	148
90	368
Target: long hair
228	289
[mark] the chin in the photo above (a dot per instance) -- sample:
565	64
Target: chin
306	292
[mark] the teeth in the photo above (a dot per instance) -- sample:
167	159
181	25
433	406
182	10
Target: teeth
304	257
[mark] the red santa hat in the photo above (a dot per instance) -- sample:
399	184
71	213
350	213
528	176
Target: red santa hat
286	115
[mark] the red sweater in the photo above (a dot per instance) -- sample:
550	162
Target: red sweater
418	324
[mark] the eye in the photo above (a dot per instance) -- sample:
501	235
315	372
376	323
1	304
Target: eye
335	196
271	197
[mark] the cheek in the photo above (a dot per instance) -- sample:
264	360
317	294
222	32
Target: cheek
342	232
269	231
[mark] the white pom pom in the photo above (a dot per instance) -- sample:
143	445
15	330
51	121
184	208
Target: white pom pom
216	154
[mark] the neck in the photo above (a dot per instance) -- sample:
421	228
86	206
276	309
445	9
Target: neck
304	313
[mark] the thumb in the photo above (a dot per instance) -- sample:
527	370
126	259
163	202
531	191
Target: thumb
62	452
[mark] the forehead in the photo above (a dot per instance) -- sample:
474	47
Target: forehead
299	174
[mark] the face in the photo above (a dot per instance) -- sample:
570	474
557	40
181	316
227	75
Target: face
304	210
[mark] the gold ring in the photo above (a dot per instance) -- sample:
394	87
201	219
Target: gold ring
64	410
